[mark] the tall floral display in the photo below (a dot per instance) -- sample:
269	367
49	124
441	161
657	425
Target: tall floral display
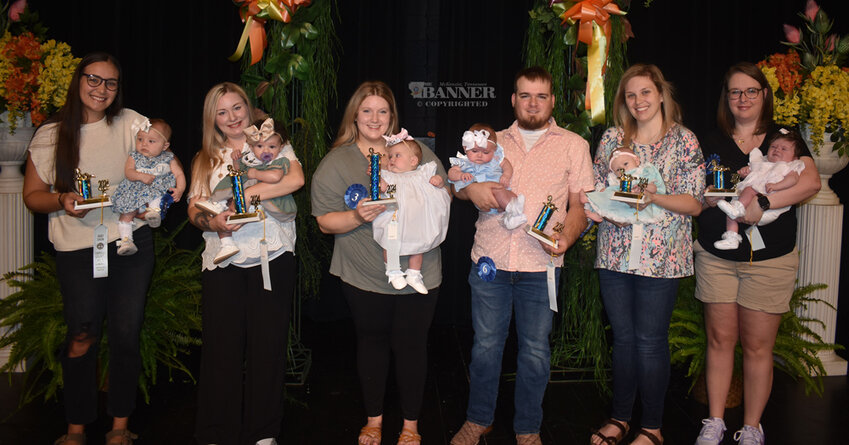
811	86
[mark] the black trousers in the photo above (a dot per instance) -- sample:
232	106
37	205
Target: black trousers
396	323
120	298
243	358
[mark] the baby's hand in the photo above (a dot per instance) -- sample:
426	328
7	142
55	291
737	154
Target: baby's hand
467	177
770	187
744	171
437	181
235	155
147	178
504	180
251	173
175	194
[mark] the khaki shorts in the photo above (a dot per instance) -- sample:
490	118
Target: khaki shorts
764	286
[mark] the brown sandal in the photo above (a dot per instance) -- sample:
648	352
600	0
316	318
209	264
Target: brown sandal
409	437
612	440
372	432
68	438
651	436
126	436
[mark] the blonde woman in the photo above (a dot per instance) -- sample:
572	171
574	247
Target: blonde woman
240	397
640	265
386	320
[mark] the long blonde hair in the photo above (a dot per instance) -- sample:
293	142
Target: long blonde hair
207	158
348	127
670	109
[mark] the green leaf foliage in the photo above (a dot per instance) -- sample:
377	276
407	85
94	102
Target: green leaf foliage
171	325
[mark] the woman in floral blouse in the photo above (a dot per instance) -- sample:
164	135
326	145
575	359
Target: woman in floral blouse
640	264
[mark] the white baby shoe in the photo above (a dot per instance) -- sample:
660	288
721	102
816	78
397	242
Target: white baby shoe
733	209
730	240
514	214
211	207
126	247
396	278
415	280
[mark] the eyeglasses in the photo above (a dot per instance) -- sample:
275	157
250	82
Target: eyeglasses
94	81
751	93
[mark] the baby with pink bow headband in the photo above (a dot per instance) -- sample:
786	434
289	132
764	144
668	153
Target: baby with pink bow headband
262	160
484	161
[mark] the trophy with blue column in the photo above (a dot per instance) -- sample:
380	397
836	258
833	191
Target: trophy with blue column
374	183
722	181
82	184
244	214
537	230
627	185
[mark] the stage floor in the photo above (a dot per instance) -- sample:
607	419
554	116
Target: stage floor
328	409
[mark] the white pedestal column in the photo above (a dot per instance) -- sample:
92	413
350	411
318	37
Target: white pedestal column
16	227
819	238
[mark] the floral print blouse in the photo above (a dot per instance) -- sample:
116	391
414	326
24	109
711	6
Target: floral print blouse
667	247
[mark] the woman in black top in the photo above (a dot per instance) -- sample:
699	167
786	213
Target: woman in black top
746	290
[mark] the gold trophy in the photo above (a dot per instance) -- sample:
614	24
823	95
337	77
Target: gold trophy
374	185
724	182
538	228
82	182
243	214
627	184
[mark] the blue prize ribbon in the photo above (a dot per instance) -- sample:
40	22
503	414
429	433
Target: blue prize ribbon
355	194
164	203
238	193
375	177
486	268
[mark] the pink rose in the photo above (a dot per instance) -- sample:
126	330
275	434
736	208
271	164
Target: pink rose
829	43
16	9
792	34
811	10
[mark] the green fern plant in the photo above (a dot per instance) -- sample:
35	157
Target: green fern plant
32	323
796	345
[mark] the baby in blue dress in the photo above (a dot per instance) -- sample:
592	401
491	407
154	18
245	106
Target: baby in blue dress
151	172
484	161
601	203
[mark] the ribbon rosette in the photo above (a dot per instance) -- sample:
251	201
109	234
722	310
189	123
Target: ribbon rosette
355	194
711	161
594	29
164	204
254	13
486	268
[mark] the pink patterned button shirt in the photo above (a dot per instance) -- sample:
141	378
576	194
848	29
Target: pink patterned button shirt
559	163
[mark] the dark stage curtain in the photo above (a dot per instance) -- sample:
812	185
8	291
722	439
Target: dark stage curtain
172	54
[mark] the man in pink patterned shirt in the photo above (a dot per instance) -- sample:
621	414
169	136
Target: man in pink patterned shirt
547	161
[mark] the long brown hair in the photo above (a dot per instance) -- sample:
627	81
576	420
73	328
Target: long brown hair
669	108
213	139
348	127
724	118
70	118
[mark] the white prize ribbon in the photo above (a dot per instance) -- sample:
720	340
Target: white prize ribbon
552	285
266	275
636	246
100	257
393	246
755	238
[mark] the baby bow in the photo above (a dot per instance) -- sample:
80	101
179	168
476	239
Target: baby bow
397	138
265	131
475	138
140	125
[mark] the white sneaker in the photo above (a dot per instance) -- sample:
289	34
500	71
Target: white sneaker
225	252
730	241
750	435
211	207
733	209
514	214
126	247
153	218
396	278
414	279
269	441
713	430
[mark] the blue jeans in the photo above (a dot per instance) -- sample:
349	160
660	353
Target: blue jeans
493	303
639	309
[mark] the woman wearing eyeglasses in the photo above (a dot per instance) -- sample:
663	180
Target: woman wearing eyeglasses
745	290
93	134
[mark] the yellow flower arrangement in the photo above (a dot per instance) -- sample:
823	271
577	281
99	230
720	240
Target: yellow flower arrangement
34	76
810	89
